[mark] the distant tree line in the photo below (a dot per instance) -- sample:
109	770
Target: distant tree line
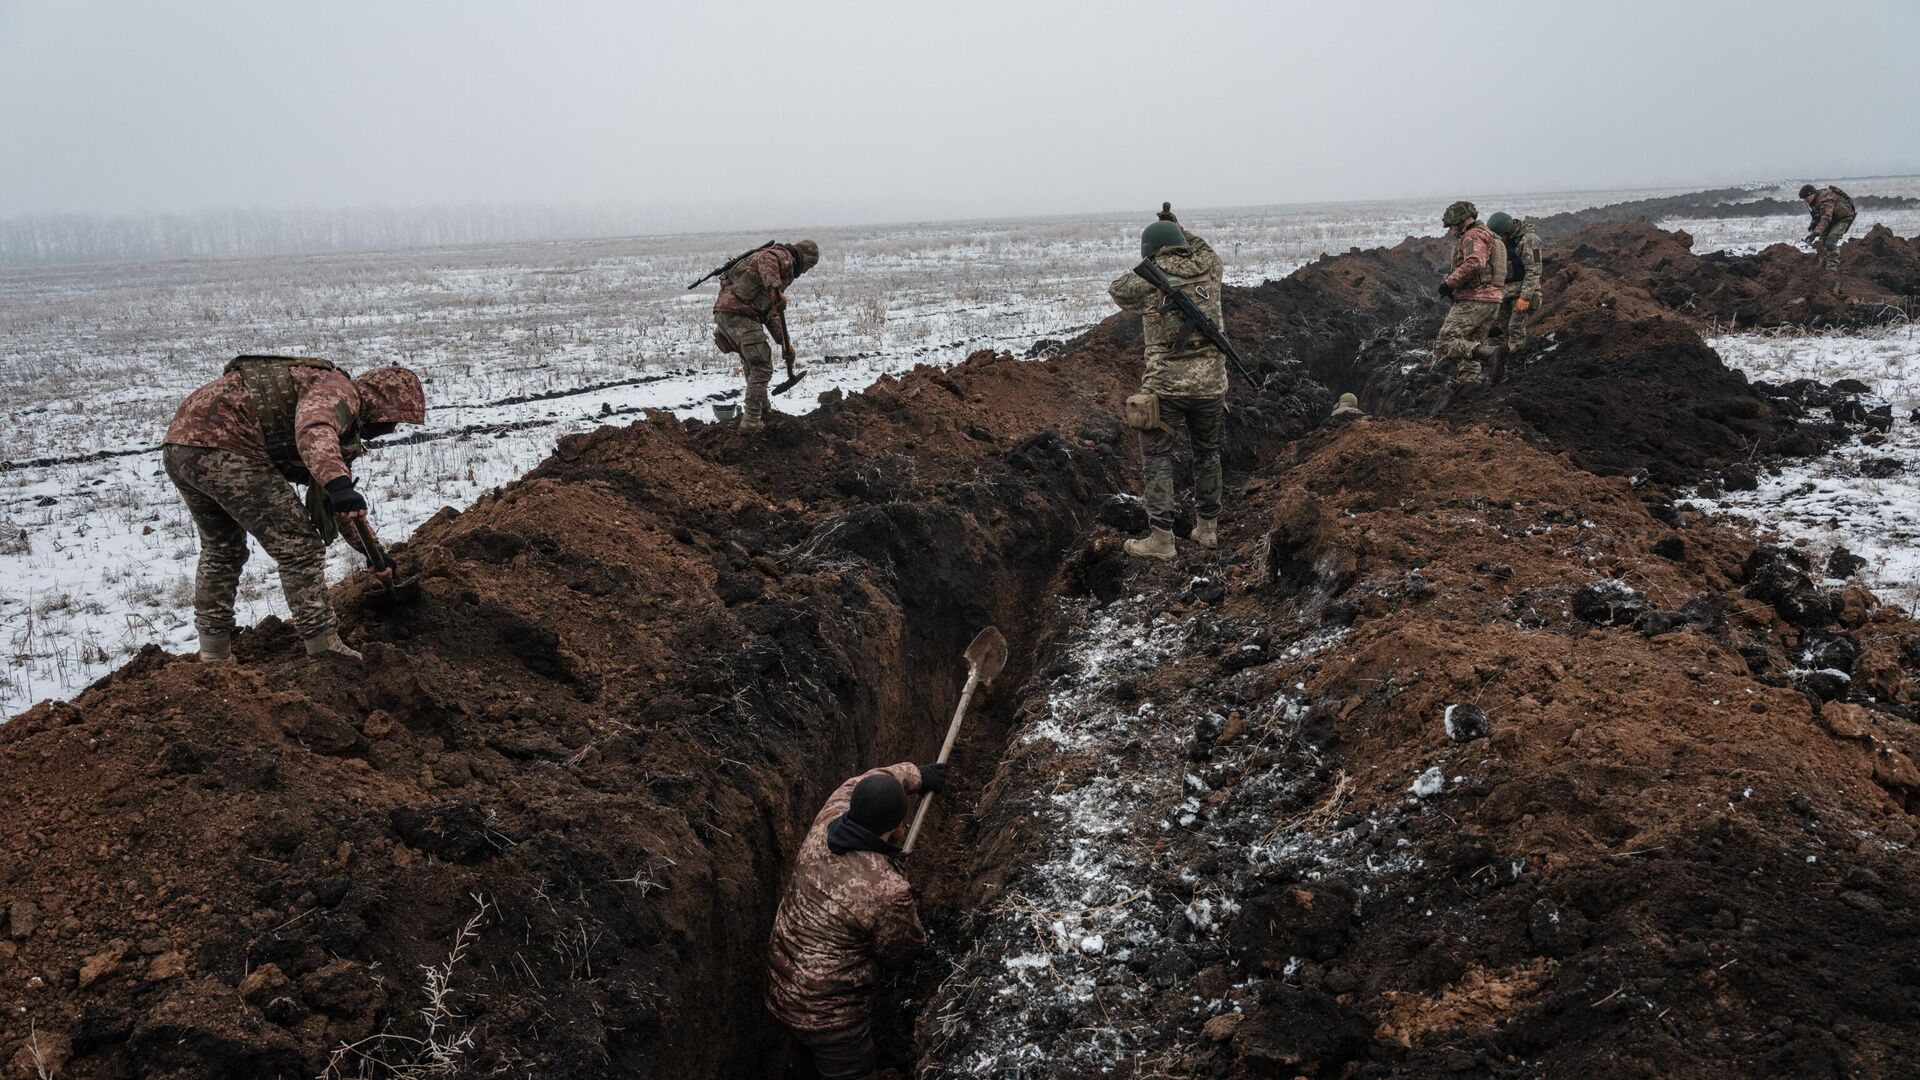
62	239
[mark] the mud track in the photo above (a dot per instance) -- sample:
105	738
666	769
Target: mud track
638	669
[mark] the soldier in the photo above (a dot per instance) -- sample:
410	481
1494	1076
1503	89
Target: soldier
1521	296
1185	377
846	913
1476	287
753	296
1832	213
233	449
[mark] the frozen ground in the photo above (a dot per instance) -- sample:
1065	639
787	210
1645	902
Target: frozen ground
1745	236
1861	496
96	553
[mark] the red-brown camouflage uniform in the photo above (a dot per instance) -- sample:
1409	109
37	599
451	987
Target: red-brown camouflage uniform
1832	212
1478	279
216	454
740	321
843	917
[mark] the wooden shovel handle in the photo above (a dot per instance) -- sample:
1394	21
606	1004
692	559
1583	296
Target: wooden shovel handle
946	748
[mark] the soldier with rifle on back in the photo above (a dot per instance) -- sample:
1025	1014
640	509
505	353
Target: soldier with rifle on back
1176	291
752	301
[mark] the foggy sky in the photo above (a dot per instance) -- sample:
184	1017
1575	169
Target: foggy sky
828	112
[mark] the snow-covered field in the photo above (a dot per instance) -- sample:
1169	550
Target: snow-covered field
96	552
1745	236
1861	496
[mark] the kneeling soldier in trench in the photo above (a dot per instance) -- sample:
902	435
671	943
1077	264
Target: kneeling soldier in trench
234	449
1185	377
1521	296
1832	212
753	300
846	913
1476	286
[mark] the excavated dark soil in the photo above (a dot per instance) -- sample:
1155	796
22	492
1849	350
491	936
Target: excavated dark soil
1656	852
637	671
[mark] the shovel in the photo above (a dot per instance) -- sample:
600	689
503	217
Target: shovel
985	657
393	589
786	384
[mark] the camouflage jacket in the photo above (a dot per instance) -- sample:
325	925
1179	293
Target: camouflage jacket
843	916
1831	207
1479	266
220	415
1181	362
757	284
1523	262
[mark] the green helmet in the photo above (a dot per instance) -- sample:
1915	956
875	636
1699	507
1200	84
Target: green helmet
1161	234
1462	211
1501	222
1808	190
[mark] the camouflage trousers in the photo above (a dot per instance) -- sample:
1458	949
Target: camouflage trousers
1829	242
756	355
231	497
842	1053
1469	323
1203	417
1512	325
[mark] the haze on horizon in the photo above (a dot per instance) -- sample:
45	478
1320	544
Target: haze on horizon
854	113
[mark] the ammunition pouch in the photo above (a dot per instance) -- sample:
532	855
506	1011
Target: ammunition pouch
1143	413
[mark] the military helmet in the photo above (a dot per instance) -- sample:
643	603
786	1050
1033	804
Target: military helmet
1807	190
809	253
1348	401
1458	213
1501	222
1161	234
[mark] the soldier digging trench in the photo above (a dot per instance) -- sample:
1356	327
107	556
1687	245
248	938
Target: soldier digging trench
847	913
1832	212
753	301
235	448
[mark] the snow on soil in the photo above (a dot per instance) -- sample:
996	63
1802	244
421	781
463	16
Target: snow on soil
96	556
1746	236
1139	848
1861	496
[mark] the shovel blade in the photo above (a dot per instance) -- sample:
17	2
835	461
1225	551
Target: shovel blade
987	654
786	384
403	592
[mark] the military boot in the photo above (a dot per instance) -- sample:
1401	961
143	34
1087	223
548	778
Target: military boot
216	648
1157	545
1206	532
329	644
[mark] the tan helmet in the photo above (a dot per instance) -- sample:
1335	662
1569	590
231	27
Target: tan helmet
1459	214
809	253
1348	401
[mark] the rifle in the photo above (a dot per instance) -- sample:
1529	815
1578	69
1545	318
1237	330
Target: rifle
731	263
1196	318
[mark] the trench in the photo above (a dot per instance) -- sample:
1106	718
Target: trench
635	675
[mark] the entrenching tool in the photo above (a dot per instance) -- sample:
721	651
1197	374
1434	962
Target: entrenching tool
786	384
985	657
395	588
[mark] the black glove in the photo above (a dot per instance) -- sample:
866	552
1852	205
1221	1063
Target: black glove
933	778
1446	290
342	499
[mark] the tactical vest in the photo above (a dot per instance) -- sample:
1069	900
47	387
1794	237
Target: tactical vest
1501	264
1515	271
269	382
746	285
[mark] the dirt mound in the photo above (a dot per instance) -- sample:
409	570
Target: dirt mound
635	674
554	812
1466	771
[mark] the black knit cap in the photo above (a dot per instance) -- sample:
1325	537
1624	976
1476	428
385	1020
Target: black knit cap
879	803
